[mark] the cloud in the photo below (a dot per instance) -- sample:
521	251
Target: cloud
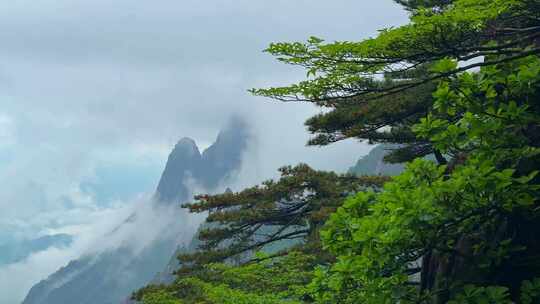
6	130
16	279
142	225
132	228
87	82
116	72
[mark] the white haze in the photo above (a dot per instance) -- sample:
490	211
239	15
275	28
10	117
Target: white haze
133	226
16	279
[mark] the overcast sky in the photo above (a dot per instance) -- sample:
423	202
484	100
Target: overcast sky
94	94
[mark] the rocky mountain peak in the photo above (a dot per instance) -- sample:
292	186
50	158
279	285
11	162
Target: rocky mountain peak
101	278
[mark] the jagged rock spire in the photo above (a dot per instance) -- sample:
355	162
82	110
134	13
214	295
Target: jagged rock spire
101	278
215	165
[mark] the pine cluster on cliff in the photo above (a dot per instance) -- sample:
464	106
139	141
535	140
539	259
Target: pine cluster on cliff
461	81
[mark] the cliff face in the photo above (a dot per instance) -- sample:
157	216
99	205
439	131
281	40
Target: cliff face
217	164
182	164
145	242
373	163
221	160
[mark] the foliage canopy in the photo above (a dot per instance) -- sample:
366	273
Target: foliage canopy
461	81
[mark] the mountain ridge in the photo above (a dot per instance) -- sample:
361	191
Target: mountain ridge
109	276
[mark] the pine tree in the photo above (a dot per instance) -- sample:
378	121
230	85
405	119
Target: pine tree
291	210
464	227
345	77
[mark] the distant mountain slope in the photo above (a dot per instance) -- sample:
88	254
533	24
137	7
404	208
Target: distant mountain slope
373	163
144	243
166	275
14	252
